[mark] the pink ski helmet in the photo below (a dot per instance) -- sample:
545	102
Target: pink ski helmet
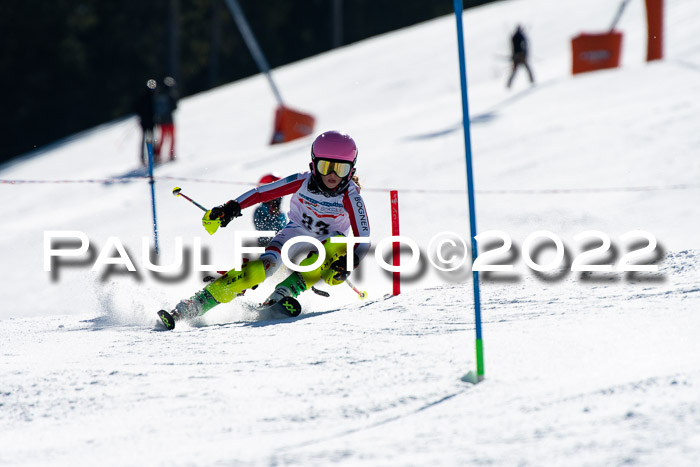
333	151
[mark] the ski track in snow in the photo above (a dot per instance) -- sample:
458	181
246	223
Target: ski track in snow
359	382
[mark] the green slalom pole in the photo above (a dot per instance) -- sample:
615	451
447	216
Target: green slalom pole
471	376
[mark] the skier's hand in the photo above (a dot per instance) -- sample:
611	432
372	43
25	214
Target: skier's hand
226	212
340	266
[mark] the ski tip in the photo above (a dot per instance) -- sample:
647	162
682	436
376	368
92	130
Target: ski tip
167	320
290	306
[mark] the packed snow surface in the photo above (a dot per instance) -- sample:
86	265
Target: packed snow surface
581	368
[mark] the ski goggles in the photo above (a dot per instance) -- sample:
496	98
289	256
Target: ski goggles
341	169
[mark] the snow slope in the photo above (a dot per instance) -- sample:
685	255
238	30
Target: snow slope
581	368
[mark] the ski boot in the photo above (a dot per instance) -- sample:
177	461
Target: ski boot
198	304
222	290
283	298
292	286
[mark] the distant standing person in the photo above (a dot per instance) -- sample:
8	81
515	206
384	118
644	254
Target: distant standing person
520	54
165	105
144	109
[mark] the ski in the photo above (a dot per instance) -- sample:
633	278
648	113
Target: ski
287	306
167	319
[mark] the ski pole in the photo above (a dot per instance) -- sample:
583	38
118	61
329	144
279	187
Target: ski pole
361	294
210	225
177	191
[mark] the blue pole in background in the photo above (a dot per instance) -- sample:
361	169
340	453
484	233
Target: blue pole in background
471	377
149	146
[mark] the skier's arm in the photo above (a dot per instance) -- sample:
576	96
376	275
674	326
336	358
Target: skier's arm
274	190
359	221
262	194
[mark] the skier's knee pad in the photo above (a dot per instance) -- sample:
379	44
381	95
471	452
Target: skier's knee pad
228	286
272	261
333	251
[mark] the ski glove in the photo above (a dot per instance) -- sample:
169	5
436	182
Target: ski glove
226	212
340	266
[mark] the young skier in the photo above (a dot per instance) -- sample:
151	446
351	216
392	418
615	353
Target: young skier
326	202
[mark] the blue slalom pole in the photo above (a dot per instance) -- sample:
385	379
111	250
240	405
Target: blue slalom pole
471	377
149	146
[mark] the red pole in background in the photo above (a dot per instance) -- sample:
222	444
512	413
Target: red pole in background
396	246
655	29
